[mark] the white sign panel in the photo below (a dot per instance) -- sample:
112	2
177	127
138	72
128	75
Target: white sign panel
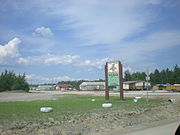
113	67
113	74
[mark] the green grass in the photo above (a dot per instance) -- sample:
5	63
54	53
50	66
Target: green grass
66	107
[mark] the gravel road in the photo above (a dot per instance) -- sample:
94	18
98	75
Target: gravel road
51	95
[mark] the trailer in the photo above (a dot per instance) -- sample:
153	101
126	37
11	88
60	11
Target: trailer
175	88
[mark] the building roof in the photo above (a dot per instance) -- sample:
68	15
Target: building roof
162	85
45	86
93	83
64	85
130	82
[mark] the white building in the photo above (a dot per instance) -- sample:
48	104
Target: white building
92	86
45	87
135	85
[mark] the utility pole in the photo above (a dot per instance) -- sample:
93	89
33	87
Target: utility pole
147	88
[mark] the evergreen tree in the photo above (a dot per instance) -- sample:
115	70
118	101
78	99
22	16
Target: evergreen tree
138	76
10	81
127	76
176	74
157	77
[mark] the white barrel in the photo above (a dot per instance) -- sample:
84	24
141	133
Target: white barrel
107	105
137	97
135	100
46	109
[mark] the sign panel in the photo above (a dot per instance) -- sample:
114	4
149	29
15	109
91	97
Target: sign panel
113	74
147	78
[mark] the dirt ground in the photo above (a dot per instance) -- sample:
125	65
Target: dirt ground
114	123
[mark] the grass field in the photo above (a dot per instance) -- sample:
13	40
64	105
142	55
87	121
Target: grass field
66	108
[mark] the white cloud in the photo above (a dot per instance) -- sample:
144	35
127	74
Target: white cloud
50	59
35	79
127	68
60	59
42	31
10	56
97	63
9	53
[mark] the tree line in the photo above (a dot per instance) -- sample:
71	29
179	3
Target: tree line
157	77
11	81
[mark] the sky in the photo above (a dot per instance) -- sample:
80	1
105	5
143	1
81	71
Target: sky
60	40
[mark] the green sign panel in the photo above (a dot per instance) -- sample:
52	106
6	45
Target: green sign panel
113	79
113	73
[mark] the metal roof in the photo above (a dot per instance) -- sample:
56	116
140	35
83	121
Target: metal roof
64	85
93	83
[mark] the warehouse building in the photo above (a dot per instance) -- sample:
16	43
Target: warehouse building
45	87
92	86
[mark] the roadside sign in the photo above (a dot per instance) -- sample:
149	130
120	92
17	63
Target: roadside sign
113	77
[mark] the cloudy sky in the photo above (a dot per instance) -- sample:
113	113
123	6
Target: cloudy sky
54	40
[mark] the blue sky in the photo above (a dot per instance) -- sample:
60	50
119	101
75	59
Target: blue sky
72	39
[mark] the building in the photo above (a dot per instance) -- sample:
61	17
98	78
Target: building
92	86
64	87
45	87
135	85
128	85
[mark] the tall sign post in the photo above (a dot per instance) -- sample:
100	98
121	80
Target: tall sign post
113	77
106	83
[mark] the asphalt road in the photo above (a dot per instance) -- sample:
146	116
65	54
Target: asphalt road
168	129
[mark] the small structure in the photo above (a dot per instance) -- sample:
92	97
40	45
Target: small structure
64	87
129	85
92	86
